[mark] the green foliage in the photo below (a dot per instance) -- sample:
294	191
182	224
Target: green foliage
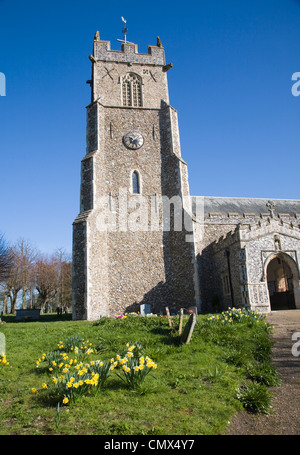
255	397
134	366
241	316
51	358
215	374
71	342
193	390
264	374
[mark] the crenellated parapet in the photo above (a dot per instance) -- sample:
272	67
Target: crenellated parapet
249	232
128	53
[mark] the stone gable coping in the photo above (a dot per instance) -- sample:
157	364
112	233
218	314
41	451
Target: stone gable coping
244	233
222	217
271	226
82	217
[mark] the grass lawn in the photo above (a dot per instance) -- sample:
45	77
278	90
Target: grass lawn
195	390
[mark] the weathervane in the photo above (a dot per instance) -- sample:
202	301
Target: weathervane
124	31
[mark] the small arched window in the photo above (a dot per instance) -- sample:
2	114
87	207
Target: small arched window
135	182
132	90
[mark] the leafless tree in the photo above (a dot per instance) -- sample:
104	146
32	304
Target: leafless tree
20	273
26	255
64	294
23	269
5	259
13	283
46	275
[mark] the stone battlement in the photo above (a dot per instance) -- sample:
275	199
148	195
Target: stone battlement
260	229
129	53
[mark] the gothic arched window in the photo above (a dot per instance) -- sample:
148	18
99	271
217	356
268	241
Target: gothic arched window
135	182
132	90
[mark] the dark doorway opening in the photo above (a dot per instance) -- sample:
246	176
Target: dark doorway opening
280	285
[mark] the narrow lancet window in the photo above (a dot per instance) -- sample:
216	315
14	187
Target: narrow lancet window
135	183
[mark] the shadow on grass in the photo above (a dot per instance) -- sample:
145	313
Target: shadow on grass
44	317
168	336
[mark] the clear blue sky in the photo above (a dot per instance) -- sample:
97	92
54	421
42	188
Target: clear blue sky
231	84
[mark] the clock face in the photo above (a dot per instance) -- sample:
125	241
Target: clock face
133	141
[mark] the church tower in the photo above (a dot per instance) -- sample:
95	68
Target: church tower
133	238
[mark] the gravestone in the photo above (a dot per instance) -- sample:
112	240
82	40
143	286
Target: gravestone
169	317
28	315
180	321
145	309
2	344
188	329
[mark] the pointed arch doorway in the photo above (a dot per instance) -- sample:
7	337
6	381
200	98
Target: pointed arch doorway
281	280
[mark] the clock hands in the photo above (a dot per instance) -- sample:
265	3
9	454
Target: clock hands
133	140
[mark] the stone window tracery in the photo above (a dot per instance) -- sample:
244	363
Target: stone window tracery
132	90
